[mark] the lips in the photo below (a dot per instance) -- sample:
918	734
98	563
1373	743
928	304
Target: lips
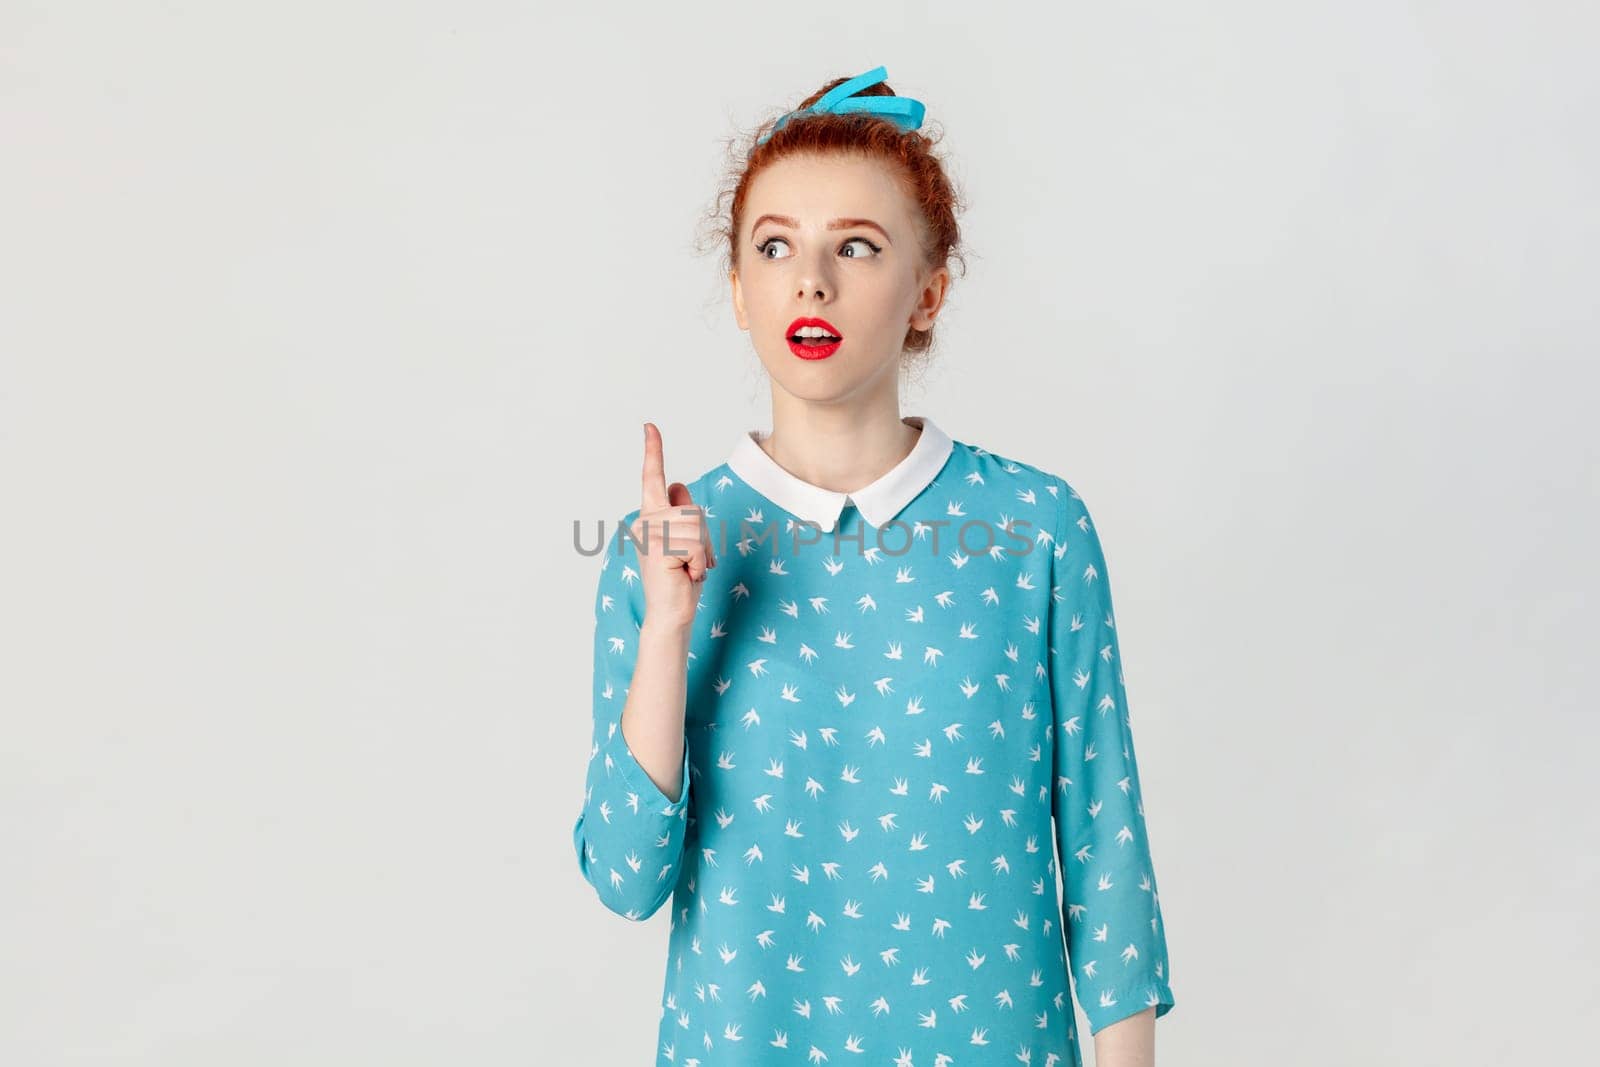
811	347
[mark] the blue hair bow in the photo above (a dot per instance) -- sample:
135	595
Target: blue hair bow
900	110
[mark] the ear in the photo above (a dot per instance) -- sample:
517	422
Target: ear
738	301
930	299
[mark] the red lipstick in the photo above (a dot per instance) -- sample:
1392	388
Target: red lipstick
810	347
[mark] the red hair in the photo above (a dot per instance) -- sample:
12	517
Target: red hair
861	134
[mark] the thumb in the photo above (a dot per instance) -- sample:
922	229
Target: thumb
681	497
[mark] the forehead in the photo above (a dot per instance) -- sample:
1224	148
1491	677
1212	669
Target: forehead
814	189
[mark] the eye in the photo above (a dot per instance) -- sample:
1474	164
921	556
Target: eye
764	245
862	240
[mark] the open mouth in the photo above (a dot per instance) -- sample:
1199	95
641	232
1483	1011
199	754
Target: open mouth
813	338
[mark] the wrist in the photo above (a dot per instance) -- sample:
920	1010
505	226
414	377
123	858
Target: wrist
665	628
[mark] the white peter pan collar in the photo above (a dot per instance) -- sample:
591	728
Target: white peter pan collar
878	502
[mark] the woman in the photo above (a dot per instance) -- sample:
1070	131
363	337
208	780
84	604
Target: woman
855	686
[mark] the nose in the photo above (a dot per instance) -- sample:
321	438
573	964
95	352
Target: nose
815	279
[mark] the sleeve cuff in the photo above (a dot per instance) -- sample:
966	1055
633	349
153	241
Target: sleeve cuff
636	779
1128	998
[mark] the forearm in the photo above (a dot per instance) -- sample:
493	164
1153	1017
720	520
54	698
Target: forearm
652	718
1129	1042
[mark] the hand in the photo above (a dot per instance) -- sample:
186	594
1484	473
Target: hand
674	538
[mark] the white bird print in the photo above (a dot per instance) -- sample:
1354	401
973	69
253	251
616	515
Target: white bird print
757	667
945	599
925	885
752	854
797	738
1003	999
890	956
968	686
834	566
903	575
899	788
764	939
914	706
842	640
878	871
829	735
774	769
866	603
728	895
969	631
844	696
763	802
815	921
918	842
919	976
880	1006
849	966
832	1004
957	868
831	869
807	653
790	608
893	651
852	909
886	821
939	927
974	959
751	718
850	774
767	635
852	1043
924	748
975	902
787	692
958	1003
937	791
902	921
847	831
972	823
914	614
727	953
980	1035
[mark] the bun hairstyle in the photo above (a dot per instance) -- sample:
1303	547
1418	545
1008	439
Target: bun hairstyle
910	153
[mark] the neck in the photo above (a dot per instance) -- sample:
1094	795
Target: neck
840	447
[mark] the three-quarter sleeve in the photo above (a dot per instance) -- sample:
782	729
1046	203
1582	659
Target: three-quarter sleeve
1116	941
629	835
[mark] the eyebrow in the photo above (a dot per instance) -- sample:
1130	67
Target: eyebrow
836	224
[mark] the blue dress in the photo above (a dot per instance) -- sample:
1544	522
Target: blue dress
903	704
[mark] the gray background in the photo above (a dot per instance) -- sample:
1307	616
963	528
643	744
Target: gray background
322	322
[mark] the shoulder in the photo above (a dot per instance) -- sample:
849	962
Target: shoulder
1060	507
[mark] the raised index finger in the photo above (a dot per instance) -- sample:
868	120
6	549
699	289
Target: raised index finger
653	488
